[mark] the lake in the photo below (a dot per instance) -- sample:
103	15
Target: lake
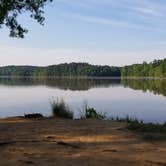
144	99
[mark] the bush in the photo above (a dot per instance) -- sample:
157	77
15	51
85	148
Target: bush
149	131
60	109
148	128
90	112
126	119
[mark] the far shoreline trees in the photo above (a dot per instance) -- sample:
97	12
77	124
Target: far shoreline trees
157	68
61	70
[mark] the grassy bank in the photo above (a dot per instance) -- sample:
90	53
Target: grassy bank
149	131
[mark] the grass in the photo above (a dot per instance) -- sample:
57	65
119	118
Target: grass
149	131
148	128
91	113
126	119
60	109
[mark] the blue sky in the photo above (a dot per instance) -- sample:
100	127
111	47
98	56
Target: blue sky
111	32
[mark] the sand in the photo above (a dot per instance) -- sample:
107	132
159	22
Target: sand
51	142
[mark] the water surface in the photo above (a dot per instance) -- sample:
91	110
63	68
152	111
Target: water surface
144	99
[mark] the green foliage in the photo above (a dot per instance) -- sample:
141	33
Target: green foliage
82	69
157	68
91	113
61	70
148	128
60	109
149	131
154	136
11	9
126	119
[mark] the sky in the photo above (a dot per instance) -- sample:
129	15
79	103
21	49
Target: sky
102	32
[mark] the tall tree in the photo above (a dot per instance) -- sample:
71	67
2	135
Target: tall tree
10	9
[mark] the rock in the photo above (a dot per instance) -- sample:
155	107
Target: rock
35	115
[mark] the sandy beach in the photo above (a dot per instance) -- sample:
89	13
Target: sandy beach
50	142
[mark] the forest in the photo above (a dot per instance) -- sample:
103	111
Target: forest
61	70
157	68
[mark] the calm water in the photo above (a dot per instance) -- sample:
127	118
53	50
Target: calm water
143	99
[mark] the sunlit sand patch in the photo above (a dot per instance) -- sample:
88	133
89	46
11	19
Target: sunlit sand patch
87	139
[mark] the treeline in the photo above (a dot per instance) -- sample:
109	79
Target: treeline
157	68
70	70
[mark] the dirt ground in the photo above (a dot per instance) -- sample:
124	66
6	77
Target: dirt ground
51	142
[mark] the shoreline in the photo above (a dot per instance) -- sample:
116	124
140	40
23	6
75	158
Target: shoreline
84	77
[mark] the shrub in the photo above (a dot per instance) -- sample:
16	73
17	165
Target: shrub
90	112
148	128
60	109
126	119
149	131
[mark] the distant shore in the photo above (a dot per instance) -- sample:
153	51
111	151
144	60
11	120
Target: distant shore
81	77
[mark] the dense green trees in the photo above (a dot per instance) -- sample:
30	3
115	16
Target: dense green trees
70	70
82	69
157	68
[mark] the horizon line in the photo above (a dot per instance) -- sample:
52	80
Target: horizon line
68	63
